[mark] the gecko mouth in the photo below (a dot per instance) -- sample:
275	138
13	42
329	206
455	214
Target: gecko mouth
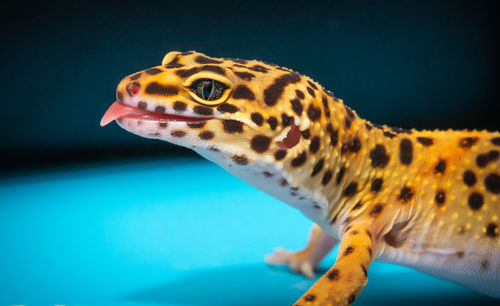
120	110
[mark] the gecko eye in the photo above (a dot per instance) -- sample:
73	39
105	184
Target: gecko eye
208	89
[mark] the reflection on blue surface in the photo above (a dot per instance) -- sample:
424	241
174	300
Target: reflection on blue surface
171	232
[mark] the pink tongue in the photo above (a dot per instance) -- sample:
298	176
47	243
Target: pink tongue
119	110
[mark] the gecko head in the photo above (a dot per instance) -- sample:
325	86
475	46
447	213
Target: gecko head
238	110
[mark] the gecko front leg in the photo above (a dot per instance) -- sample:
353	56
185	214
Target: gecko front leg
305	260
344	281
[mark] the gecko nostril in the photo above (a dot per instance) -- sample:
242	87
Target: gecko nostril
133	88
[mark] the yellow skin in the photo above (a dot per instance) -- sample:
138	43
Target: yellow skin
424	199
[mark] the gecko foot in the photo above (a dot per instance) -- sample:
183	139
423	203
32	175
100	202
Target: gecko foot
299	262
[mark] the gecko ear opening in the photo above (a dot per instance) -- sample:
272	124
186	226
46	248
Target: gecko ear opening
291	139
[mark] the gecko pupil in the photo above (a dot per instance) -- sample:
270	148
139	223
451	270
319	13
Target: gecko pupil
208	89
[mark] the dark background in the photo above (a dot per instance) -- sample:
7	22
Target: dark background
422	64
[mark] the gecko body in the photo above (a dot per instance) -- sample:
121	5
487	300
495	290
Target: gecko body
424	199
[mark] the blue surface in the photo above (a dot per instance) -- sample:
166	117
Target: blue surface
170	232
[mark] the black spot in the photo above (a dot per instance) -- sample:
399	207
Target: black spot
369	234
155	88
200	59
227	108
286	120
365	271
312	84
491	230
213	149
196	125
350	190
299	160
247	76
351	299
142	105
232	126
314	113
340	175
379	156
349	112
314	146
347	123
406	194
492	183
202	110
485	264
163	124
243	92
206	135
153	71
240	159
349	250
476	201
180	106
260	143
389	134
334	138
311	92
326	177
425	141
135	76
368	126
214	69
469	178
267	174
334	219
310	297
440	197
258	68
317	168
376	210
280	154
406	151
467	142
178	133
273	122
440	167
306	134
482	160
160	109
301	95
376	185
257	118
297	106
326	107
185	73
496	141
353	146
283	183
274	91
333	274
357	206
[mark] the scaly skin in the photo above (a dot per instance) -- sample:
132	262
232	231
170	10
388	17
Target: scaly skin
424	199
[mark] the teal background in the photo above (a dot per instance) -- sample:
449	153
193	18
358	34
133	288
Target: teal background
174	232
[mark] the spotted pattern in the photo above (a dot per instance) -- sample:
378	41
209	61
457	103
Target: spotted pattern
260	143
379	156
475	201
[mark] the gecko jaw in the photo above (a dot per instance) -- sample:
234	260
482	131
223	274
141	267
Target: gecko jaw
119	110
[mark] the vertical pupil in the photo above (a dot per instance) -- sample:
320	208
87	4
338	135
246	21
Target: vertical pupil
207	89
